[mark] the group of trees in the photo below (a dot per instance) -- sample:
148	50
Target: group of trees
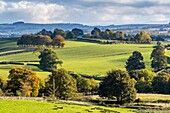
147	81
34	40
57	37
142	37
66	34
59	84
49	38
107	34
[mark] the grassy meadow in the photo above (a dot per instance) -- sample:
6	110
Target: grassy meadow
81	57
27	106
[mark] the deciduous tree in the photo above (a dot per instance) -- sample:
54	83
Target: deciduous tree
135	62
58	41
118	84
159	60
49	60
161	83
144	79
23	82
61	85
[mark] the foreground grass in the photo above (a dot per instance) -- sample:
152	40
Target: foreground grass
26	106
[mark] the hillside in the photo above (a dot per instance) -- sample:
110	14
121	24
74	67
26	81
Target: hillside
80	57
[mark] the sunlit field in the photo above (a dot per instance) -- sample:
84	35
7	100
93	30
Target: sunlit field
82	57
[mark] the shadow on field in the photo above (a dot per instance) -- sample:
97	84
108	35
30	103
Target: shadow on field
168	60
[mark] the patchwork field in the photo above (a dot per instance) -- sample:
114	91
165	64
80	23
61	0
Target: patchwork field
80	57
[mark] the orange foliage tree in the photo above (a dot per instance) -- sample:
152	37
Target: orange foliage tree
58	41
23	82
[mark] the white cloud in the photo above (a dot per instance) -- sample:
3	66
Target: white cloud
36	12
90	12
2	6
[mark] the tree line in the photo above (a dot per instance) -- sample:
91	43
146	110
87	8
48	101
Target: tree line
57	37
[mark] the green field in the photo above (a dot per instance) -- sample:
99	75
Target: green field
26	106
83	57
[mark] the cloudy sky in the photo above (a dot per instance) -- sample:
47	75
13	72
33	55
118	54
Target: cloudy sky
90	12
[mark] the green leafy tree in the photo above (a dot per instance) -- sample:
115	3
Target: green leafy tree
135	62
61	84
96	33
45	32
49	60
144	79
159	60
118	84
85	85
2	85
77	32
23	82
119	35
70	35
58	32
161	83
143	37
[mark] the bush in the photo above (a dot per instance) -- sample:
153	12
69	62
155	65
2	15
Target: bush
144	79
161	83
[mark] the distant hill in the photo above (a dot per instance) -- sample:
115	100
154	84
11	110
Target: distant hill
16	29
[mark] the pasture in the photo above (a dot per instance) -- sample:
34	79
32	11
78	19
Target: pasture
80	57
29	106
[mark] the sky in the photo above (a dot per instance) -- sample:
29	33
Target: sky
89	12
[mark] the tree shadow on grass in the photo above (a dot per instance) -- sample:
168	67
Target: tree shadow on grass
168	60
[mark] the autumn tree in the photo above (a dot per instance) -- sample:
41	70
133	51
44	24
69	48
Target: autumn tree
49	60
135	62
118	84
161	83
23	82
42	40
61	85
58	41
34	40
159	60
